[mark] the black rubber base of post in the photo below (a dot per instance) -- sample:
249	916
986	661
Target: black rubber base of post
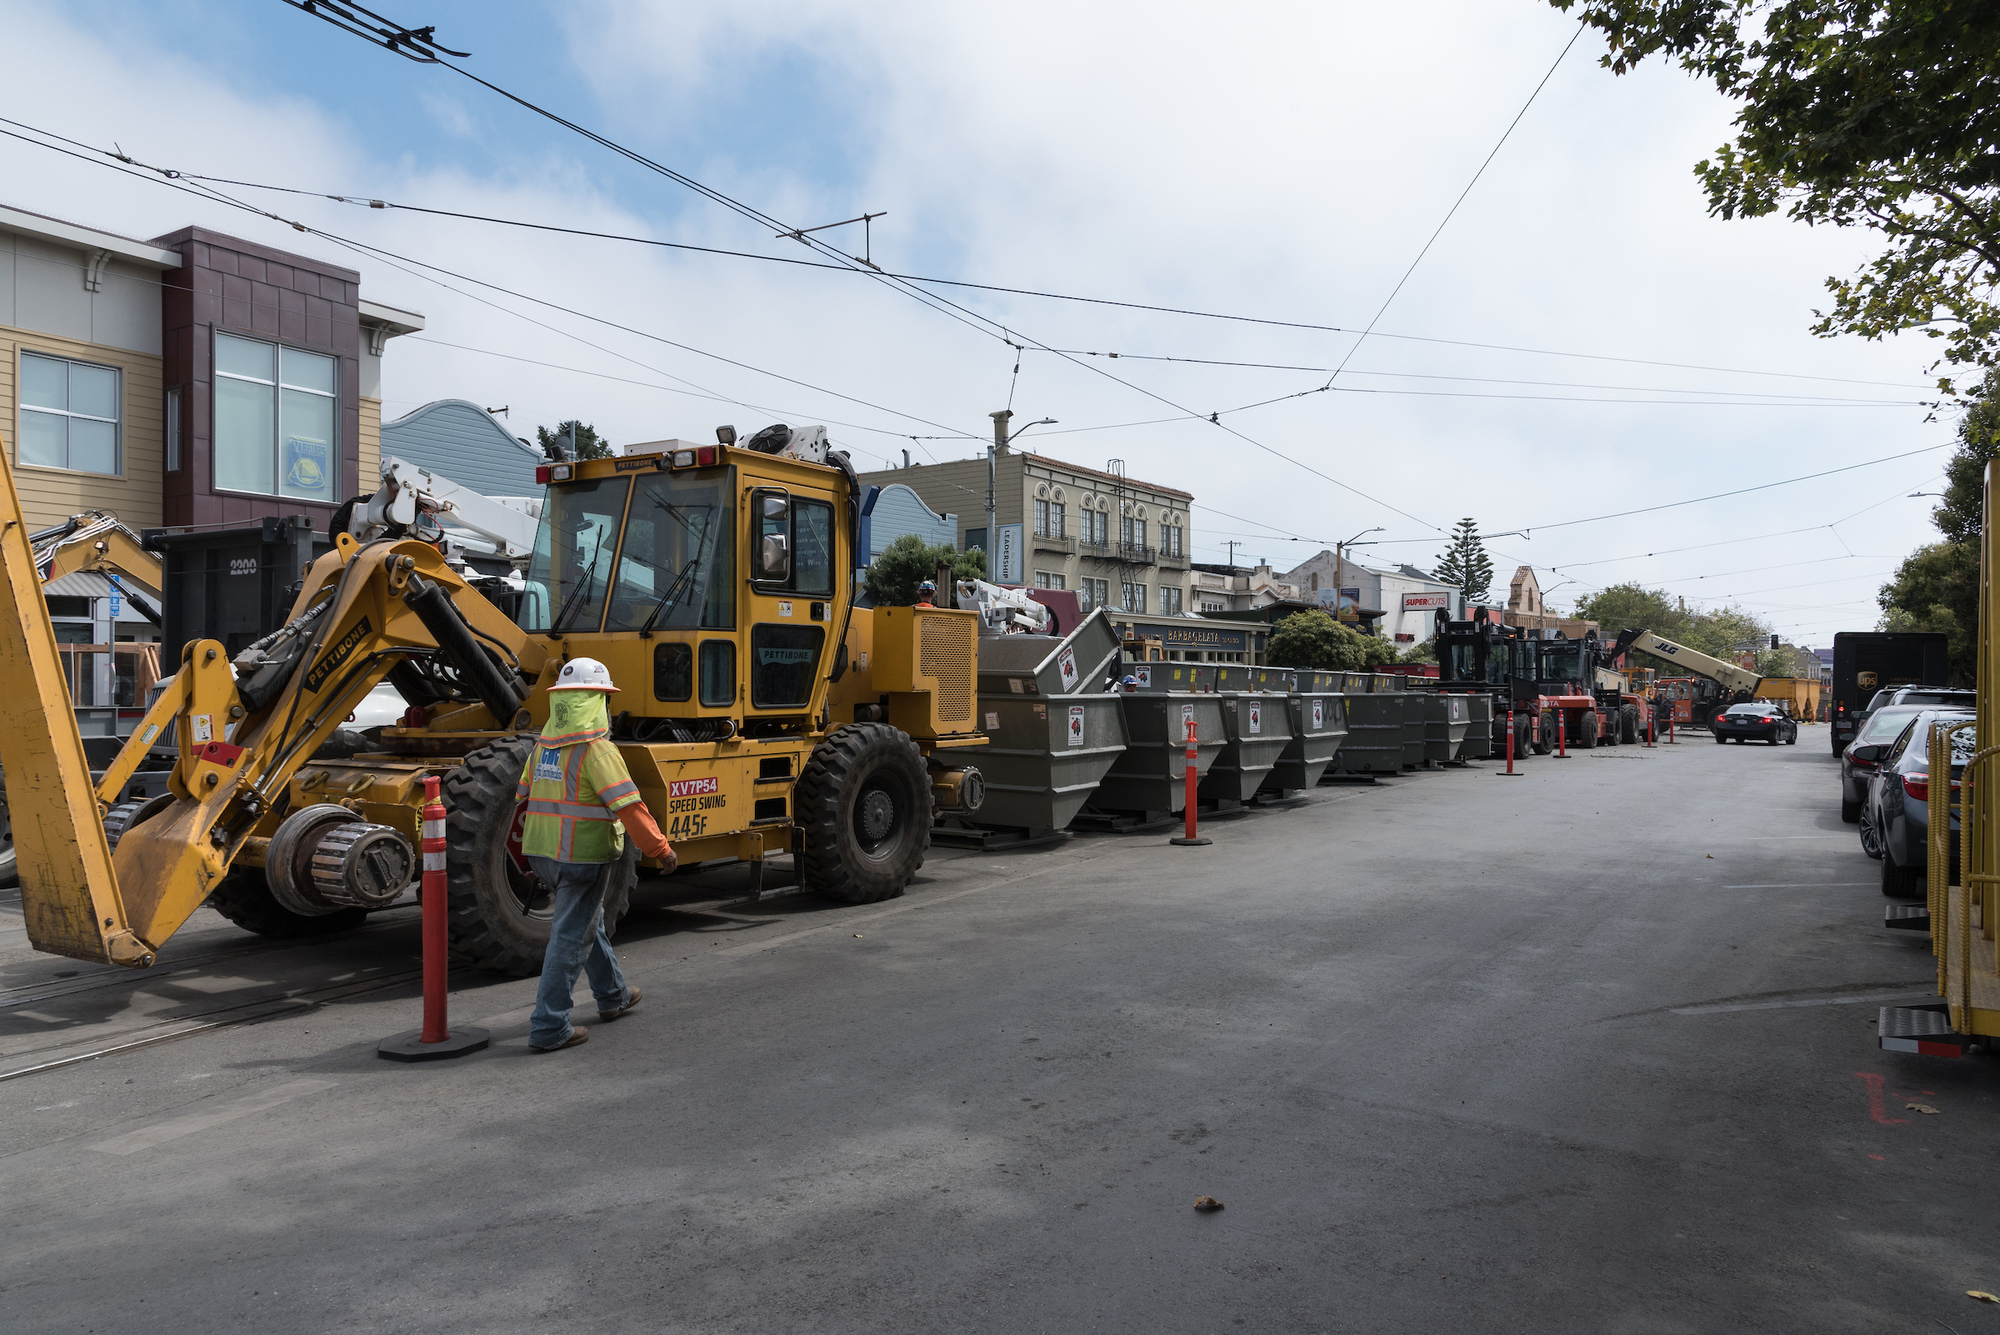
1517	774
405	1047
1184	842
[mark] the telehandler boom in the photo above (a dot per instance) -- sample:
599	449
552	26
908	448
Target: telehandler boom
760	713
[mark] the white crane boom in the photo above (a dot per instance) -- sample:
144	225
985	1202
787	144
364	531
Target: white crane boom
407	488
1701	664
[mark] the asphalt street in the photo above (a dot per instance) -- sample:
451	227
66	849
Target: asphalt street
1586	1050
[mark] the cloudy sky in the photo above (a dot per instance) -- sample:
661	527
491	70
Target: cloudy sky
1580	341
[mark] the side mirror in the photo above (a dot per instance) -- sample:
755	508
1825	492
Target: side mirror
773	509
1871	754
774	561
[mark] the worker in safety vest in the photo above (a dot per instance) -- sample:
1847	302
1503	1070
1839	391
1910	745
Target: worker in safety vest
926	594
582	804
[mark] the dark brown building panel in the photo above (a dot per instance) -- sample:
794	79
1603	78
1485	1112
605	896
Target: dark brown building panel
239	287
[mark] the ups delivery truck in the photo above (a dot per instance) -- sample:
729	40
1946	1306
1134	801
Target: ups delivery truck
1865	662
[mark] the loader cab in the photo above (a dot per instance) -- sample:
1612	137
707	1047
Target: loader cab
708	578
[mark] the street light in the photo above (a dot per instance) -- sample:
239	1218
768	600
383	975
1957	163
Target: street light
1913	495
1001	440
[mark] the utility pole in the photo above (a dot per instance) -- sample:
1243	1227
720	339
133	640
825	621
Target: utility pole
1232	545
999	447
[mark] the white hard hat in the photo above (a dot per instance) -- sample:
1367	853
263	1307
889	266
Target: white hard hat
584	674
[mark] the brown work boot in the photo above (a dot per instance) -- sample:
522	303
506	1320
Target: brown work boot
631	1003
577	1034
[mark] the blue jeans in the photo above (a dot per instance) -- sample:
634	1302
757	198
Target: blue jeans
577	942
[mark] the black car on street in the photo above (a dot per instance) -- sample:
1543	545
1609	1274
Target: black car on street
1757	720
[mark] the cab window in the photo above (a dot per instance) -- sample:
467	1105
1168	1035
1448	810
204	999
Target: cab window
677	568
812	546
570	571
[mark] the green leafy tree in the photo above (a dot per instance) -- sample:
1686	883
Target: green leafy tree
1937	586
1723	632
1420	653
1937	589
1465	565
589	445
1632	607
909	561
1854	113
1313	639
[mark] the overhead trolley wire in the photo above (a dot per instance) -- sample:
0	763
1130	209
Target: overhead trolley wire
1450	212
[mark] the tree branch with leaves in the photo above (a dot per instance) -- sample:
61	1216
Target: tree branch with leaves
1872	113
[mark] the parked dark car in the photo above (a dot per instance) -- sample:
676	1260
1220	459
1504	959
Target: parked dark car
1757	720
1859	761
1894	821
1920	695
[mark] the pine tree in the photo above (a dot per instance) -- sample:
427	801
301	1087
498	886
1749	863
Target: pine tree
589	445
1465	563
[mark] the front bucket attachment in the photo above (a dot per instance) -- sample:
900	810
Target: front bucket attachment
69	894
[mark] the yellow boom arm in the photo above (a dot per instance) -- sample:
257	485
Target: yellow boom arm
357	617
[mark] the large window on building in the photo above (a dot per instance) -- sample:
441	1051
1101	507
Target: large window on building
69	414
1041	519
1170	601
275	420
1134	597
1046	580
1095	593
1096	527
1170	540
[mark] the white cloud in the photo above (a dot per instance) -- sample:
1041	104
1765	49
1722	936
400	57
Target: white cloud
1282	160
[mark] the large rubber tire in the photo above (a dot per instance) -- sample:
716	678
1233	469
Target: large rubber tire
500	914
1629	730
1871	843
1586	731
1545	735
1899	882
863	808
245	898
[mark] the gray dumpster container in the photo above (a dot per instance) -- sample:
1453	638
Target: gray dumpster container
1479	727
1046	757
1259	730
1047	664
1150	774
1446	720
1319	726
1374	742
1152	678
1414	707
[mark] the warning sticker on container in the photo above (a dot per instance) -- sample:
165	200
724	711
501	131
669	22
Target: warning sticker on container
1066	665
1256	712
1076	725
1319	715
784	609
204	728
1145	676
992	722
1187	721
1015	683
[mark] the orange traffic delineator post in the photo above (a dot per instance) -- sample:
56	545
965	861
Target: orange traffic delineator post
1190	839
1562	736
1651	716
1510	772
435	1041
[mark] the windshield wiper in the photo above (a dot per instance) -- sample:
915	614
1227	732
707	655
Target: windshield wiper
672	595
580	595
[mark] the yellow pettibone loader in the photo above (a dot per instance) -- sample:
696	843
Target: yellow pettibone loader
761	712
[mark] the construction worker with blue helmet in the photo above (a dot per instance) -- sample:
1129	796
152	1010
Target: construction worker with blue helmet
926	594
582	804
